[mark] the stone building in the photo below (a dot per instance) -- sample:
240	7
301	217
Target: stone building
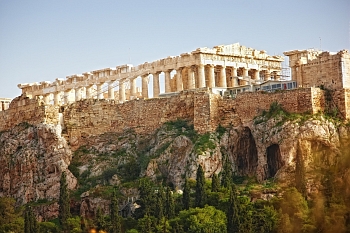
224	66
4	103
313	68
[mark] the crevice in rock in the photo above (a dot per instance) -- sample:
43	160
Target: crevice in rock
247	155
274	160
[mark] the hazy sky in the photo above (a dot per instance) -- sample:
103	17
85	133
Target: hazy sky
45	40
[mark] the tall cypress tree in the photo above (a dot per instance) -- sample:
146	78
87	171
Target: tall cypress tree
161	198
186	195
226	174
30	223
64	208
147	199
170	206
115	218
200	189
215	183
233	218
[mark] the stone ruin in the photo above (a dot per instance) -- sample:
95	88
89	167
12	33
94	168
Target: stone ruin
224	66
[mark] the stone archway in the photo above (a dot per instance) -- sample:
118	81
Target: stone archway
274	160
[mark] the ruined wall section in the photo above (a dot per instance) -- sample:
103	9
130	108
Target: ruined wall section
340	103
32	111
246	106
92	117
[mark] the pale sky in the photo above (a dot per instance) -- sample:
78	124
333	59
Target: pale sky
45	40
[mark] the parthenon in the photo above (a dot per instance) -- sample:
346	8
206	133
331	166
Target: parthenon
222	66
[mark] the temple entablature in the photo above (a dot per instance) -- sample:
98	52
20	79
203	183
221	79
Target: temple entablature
221	66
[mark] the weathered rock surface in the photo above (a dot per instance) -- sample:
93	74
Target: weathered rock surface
32	159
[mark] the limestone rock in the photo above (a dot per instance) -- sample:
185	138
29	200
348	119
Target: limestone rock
32	159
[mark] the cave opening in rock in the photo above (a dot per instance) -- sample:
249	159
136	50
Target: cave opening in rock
274	160
247	154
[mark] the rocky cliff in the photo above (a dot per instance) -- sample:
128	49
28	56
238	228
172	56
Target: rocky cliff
32	159
289	149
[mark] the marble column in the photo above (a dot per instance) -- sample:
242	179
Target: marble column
133	93
201	76
88	92
167	81
47	99
77	94
66	96
234	80
211	76
179	83
190	81
245	72
145	86
156	89
111	90
256	75
222	78
56	98
99	91
121	92
266	75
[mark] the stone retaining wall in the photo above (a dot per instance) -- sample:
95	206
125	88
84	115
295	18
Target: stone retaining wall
200	107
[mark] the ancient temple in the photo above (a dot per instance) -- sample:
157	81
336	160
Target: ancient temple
224	66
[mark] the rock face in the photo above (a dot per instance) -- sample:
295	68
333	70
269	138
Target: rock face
292	152
32	159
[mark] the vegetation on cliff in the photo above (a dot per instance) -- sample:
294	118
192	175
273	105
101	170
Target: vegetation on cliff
175	180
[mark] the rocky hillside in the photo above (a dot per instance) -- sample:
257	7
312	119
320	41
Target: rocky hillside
32	159
291	149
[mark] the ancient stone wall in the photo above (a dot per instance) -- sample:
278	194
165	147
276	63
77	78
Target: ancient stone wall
92	117
246	106
32	111
201	107
339	101
312	68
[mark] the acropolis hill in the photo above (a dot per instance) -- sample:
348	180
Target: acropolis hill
225	85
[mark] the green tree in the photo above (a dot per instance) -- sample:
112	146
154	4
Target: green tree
74	224
100	221
295	207
115	218
200	189
265	219
30	223
186	200
233	218
226	174
64	207
45	227
215	183
10	218
170	206
204	220
161	199
147	199
146	224
163	226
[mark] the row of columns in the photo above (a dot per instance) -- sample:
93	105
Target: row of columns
192	82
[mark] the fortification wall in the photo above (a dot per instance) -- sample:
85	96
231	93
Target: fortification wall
200	107
92	117
246	106
32	111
